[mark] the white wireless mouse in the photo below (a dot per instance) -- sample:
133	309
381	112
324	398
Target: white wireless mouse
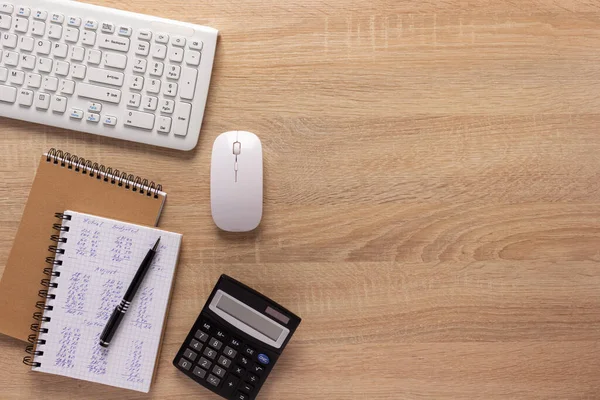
236	181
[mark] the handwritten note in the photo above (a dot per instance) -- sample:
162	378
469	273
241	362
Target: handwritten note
100	259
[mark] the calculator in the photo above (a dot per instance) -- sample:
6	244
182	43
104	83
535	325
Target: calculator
236	340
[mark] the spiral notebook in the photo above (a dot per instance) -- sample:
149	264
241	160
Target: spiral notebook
64	181
94	261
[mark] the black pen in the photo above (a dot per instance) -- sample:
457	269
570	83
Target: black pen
121	309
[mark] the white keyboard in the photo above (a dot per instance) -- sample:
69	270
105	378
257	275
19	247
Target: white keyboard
105	71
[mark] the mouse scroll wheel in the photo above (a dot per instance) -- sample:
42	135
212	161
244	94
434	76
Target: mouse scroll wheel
237	148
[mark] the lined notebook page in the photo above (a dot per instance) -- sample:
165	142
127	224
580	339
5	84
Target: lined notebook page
100	258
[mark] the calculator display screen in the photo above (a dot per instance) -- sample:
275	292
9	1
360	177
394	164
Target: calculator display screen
249	317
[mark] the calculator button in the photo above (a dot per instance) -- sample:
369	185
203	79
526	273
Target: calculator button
252	378
263	359
230	384
258	369
239	371
201	336
210	353
185	364
215	343
246	388
206	326
196	344
190	354
244	361
249	351
235	343
220	334
241	396
213	380
218	371
229	352
204	363
199	372
224	361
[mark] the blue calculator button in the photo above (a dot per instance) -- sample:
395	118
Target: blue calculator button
264	359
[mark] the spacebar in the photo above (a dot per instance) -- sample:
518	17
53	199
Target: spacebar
98	93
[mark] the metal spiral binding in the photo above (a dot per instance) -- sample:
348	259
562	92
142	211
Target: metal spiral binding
50	283
101	172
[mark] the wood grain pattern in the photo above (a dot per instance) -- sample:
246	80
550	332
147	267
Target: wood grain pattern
431	202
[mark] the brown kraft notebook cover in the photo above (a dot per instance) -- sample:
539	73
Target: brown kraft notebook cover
62	182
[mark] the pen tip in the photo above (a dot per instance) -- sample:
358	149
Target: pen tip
156	244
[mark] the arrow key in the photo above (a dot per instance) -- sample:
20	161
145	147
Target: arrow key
230	384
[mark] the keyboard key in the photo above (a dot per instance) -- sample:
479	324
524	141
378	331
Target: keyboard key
88	38
230	384
137	82
199	372
246	388
50	83
115	60
42	101
201	336
9	40
59	104
57	18
258	369
90	24
91	117
113	43
229	352
23	11
60	50
162	38
178	41
192	58
238	370
213	380
110	120
176	54
55	31
153	85
3	74
77	53
42	47
134	100
196	345
249	351
264	359
41	15
140	65
159	52
105	76
100	93
8	94
33	80
206	327
144	35
5	21
6	8
196	44
61	68
166	106
215	343
74	21
241	396
245	361
218	371
157	68
189	354
182	119
210	353
96	108
25	97
188	83
21	25
78	71
235	343
164	124
125	31
94	57
11	58
71	35
143	121
170	89
150	103
224	361
185	364
26	43
67	86
174	71
27	62
142	48
204	363
108	27
78	114
38	28
44	64
252	378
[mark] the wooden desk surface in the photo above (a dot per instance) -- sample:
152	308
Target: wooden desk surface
431	206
